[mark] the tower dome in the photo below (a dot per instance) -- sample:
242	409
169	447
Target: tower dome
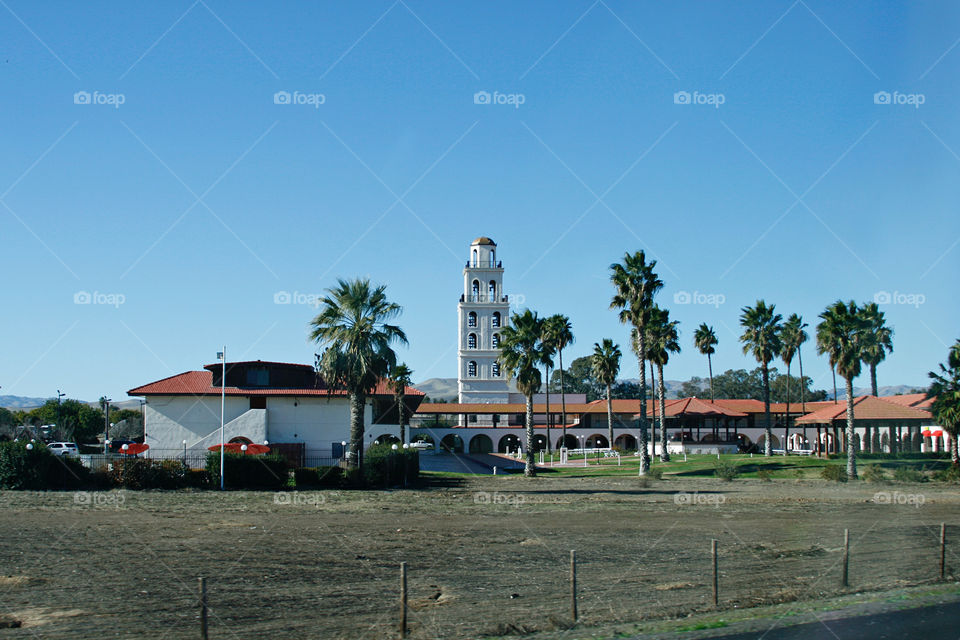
483	240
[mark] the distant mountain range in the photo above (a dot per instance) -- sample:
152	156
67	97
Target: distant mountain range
15	403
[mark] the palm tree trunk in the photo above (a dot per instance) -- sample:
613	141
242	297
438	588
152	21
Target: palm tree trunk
653	398
819	443
851	450
357	403
873	380
403	427
548	408
866	445
563	399
954	451
642	442
609	417
834	372
664	454
803	394
767	445
710	369
530	470
786	419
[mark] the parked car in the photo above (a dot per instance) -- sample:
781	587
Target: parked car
63	448
422	445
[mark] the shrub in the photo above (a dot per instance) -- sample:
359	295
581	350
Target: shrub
249	472
144	473
22	468
726	470
907	474
384	466
655	473
198	479
950	474
834	472
325	477
764	475
873	473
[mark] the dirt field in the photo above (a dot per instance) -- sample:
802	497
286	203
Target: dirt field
486	556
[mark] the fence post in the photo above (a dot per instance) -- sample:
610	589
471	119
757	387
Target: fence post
573	585
716	574
203	608
844	580
403	599
943	549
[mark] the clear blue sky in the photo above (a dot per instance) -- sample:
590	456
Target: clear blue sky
199	198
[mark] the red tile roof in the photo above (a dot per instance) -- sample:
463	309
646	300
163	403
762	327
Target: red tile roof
199	383
918	400
697	407
865	408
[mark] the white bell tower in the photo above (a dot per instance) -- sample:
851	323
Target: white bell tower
482	313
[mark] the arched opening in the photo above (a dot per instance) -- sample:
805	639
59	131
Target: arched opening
495	321
475	257
452	442
626	442
885	442
492	290
472	319
472	369
472	341
475	290
481	443
774	442
539	442
570	442
240	440
709	438
507	443
597	441
496	369
797	441
387	439
496	341
493	257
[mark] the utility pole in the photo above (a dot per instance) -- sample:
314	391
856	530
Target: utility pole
106	424
59	395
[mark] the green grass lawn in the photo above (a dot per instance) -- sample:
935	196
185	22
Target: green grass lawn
791	467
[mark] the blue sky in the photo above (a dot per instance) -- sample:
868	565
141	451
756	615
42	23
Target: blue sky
185	211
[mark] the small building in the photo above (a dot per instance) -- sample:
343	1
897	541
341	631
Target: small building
286	405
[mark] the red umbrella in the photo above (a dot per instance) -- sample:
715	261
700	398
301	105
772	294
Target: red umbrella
937	433
926	433
238	447
134	449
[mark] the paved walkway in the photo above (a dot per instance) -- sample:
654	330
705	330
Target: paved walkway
451	462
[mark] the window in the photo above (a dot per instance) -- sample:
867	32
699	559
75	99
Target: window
475	289
495	323
474	257
472	369
258	378
472	341
492	290
496	369
472	319
496	341
493	258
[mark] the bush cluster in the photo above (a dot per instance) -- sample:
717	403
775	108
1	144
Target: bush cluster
873	473
21	468
834	472
144	473
908	474
249	472
384	466
319	477
726	470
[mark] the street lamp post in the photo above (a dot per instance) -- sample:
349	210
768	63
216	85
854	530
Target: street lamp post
223	394
106	422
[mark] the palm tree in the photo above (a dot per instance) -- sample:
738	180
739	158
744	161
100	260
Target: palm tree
605	366
546	359
400	379
791	337
946	407
878	341
662	339
354	328
705	339
521	354
636	284
841	335
761	338
561	335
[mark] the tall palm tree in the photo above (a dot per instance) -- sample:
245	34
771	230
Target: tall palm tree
841	335
400	379
561	336
521	354
791	337
705	339
662	340
546	359
636	284
946	391
878	341
605	366
761	338
354	328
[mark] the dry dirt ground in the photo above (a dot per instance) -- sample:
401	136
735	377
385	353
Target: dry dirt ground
487	556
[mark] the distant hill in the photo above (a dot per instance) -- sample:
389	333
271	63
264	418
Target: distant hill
25	403
893	390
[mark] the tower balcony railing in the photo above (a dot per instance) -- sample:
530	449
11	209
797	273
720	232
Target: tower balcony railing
483	298
483	264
